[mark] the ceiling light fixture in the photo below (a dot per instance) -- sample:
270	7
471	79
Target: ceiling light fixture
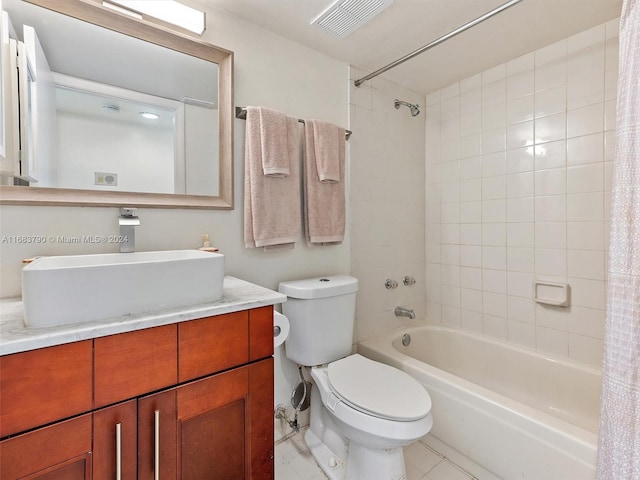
169	11
149	115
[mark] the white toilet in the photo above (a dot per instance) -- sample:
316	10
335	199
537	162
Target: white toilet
362	412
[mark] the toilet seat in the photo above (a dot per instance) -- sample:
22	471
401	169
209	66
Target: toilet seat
377	389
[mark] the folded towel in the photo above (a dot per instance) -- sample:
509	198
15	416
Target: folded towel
324	202
271	204
329	139
273	131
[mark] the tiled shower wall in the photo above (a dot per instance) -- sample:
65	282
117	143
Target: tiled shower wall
518	169
387	203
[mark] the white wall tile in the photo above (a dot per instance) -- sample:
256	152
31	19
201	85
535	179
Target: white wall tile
471	320
551	262
494	257
520	185
520	160
520	235
585	178
520	135
588	264
520	84
585	235
585	120
550	101
551	208
494	304
585	207
494	164
520	109
524	187
520	209
551	235
550	155
471	299
586	149
494	281
471	278
550	128
521	309
551	182
520	259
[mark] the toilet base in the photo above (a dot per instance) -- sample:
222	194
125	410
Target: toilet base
362	463
341	459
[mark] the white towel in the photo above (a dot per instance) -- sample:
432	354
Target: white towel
324	202
271	204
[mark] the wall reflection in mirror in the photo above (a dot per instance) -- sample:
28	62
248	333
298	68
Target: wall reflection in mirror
99	110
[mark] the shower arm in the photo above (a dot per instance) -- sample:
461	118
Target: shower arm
436	42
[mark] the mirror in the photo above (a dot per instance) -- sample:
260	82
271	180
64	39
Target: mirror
106	66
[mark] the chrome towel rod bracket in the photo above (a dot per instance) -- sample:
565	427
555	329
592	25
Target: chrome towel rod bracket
438	41
241	113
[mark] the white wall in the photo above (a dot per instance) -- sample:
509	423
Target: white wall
387	203
142	156
269	71
518	187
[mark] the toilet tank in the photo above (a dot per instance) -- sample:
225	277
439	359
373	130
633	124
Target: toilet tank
321	313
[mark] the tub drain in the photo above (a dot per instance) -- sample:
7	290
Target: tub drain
406	339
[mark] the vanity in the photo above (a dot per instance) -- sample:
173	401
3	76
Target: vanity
178	393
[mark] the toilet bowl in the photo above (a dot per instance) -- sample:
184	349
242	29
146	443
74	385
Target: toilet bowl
367	412
362	412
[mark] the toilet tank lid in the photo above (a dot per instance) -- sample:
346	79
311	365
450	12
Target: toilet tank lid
319	287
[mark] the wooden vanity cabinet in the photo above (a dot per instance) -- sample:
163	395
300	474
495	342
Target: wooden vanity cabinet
193	400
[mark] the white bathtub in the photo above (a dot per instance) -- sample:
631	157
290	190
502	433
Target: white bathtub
518	413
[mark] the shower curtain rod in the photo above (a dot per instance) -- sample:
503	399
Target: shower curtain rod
438	41
241	113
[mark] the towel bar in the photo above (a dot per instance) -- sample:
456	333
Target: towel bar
241	113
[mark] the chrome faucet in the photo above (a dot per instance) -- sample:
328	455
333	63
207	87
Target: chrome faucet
128	220
404	312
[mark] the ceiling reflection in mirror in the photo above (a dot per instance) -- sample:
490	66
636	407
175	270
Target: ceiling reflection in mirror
93	135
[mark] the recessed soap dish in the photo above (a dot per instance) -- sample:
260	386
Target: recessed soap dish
552	293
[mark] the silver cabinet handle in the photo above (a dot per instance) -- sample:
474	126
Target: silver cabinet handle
156	453
118	451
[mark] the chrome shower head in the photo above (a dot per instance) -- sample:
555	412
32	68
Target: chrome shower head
415	108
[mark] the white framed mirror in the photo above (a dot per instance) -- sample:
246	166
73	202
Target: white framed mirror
100	149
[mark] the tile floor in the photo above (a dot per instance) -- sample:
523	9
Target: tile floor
294	462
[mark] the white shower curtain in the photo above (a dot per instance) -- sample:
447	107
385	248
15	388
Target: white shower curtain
619	438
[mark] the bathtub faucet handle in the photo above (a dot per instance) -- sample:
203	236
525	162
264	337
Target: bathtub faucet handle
390	284
407	280
404	312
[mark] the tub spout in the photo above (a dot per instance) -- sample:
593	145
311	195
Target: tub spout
404	312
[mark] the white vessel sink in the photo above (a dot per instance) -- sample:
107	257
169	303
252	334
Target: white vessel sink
82	288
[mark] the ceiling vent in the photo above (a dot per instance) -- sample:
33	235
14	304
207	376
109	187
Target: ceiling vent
346	16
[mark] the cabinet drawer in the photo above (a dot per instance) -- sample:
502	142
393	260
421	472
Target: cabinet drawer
61	450
212	344
45	385
134	363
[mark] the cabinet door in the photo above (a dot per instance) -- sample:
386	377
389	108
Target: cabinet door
61	451
213	415
225	425
157	436
115	445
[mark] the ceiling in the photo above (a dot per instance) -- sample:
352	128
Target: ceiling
409	24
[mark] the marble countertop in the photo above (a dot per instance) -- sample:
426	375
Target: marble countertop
15	337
